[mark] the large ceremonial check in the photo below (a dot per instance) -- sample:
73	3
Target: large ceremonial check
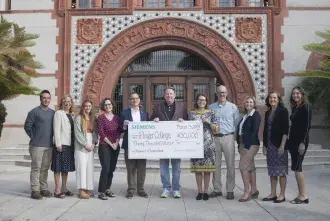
165	139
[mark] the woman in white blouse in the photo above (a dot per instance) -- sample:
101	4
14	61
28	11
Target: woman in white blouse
248	141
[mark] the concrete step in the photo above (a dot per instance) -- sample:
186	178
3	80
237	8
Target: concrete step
23	149
184	168
316	157
311	155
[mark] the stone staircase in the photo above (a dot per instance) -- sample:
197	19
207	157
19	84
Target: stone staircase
316	158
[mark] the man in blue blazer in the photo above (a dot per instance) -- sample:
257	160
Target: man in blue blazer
134	166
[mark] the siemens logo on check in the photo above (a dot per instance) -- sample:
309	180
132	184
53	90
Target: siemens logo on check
141	127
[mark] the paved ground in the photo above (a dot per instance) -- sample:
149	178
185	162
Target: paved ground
15	203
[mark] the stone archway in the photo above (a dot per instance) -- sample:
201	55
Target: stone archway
168	33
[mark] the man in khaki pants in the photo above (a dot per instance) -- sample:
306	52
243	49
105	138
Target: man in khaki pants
227	116
39	127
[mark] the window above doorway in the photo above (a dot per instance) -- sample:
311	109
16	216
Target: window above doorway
168	61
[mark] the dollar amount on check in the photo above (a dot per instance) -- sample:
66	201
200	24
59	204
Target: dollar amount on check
166	139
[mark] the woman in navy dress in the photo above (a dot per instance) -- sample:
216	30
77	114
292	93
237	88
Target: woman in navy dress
275	135
299	139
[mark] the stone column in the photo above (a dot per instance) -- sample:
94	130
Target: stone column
68	4
168	3
213	3
197	3
138	3
241	2
270	2
97	4
124	3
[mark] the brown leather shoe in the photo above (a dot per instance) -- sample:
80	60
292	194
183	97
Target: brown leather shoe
90	193
36	195
46	193
83	195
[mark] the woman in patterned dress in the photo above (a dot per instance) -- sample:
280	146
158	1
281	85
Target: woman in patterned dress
63	153
276	129
204	166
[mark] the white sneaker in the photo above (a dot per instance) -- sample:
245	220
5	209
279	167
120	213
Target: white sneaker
177	194
165	193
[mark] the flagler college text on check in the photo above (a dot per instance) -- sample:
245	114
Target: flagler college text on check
165	139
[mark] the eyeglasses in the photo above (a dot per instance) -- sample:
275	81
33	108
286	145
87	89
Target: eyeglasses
135	98
202	100
107	104
221	92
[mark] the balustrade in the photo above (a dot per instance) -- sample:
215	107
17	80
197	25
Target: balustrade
83	4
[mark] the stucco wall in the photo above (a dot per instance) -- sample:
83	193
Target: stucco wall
298	30
31	4
45	51
307	3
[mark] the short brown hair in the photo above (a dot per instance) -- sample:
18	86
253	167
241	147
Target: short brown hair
280	100
65	96
196	100
254	101
304	99
102	104
133	92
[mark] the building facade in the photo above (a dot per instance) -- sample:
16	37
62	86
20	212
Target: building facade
108	48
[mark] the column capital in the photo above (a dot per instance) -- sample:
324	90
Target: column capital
212	3
197	3
168	3
97	4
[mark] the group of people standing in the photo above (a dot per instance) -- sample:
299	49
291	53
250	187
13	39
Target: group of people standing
76	139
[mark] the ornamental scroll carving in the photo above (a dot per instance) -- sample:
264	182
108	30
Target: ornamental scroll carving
89	31
248	30
126	41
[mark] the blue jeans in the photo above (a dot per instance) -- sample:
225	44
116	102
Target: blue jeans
165	173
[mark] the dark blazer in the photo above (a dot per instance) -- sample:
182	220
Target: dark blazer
300	126
159	111
126	115
250	131
279	127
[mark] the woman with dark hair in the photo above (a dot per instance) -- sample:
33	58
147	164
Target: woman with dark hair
248	147
85	142
204	166
275	134
299	138
63	153
109	132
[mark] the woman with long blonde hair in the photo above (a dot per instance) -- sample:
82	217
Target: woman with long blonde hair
63	153
85	142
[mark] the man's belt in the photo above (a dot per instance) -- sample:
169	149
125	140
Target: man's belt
223	135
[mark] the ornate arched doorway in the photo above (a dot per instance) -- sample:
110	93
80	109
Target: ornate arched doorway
169	33
152	71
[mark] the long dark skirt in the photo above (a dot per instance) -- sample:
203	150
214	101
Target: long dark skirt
63	161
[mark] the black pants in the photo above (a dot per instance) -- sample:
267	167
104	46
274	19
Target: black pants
108	159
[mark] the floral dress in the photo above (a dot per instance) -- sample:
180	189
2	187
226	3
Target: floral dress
206	164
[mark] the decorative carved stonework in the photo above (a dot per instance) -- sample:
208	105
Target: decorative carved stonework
278	6
124	43
248	30
89	31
